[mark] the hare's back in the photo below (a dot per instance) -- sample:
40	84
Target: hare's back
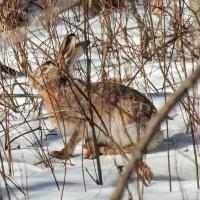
125	98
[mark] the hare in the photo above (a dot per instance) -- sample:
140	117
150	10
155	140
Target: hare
119	113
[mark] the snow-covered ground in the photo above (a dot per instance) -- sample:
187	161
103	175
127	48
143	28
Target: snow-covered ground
36	176
75	178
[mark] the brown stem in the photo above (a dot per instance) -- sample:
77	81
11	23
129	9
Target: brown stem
150	132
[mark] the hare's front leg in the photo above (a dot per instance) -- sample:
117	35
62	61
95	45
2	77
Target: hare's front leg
67	151
90	149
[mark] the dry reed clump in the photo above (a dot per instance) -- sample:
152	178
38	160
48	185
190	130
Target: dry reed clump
14	14
145	171
96	7
11	15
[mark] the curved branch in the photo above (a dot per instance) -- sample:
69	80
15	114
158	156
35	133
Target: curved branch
151	131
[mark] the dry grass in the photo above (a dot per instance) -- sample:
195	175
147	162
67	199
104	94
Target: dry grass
122	58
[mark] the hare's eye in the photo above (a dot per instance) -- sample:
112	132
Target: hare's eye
44	69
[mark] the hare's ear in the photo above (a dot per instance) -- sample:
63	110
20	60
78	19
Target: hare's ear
66	49
78	52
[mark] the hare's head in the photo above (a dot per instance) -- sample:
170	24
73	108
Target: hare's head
52	72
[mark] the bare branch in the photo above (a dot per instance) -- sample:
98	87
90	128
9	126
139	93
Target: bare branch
151	131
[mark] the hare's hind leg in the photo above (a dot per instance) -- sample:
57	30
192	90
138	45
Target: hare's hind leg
105	150
67	151
112	150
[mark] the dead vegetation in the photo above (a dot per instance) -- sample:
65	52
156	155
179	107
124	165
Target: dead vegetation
122	59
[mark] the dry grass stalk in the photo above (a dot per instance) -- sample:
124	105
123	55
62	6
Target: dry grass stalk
150	131
166	43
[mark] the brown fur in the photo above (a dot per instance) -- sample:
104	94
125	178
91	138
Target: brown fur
120	113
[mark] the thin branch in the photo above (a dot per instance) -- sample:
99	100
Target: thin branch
151	131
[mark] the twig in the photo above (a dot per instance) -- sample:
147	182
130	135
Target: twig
91	120
151	131
96	181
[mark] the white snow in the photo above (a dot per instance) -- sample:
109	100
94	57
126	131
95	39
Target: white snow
37	175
